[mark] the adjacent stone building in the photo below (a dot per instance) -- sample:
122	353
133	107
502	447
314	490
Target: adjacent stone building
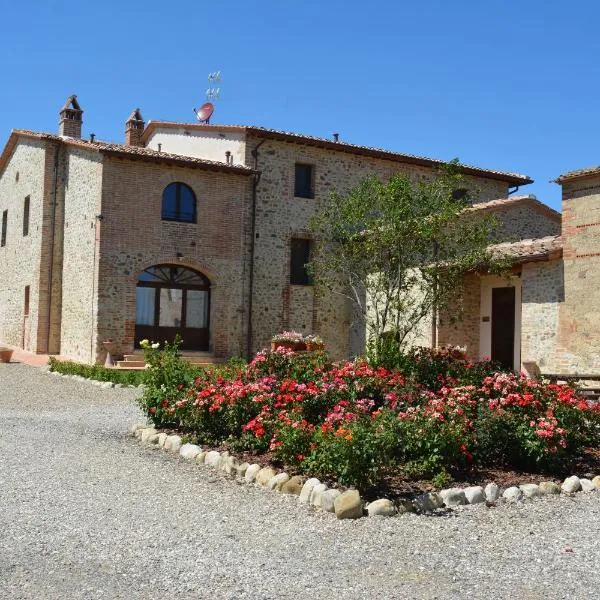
203	230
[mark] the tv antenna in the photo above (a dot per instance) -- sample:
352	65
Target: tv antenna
204	113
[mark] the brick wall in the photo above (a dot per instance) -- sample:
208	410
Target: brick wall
133	237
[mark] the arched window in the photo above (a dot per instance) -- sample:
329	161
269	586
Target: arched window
179	203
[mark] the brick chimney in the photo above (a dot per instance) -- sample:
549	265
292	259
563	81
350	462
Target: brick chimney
134	128
71	118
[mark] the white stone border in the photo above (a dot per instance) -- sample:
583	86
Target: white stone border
349	504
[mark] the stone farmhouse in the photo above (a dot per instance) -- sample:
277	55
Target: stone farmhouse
203	230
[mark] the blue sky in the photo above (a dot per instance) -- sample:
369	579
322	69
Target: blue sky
505	85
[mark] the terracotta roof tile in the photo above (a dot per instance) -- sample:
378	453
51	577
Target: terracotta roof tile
129	152
585	172
546	248
513	178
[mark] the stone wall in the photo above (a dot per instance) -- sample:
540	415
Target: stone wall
82	195
459	322
280	216
134	237
578	348
20	258
521	221
542	290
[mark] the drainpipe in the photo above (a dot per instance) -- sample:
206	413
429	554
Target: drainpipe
51	252
255	182
434	308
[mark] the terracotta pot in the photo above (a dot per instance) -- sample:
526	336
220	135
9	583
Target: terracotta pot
314	346
5	355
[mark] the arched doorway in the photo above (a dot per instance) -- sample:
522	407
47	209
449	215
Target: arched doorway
173	300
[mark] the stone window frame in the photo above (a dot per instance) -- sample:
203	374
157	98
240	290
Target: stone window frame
4	228
308	193
295	277
26	214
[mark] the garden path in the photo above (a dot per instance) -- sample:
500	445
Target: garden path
86	512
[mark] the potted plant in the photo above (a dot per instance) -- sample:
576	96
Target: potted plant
5	354
288	339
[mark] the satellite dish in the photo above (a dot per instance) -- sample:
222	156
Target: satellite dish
204	113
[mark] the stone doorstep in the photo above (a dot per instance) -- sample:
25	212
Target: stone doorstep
135	361
349	504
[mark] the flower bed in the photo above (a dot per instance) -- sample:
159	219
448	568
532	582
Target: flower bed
351	421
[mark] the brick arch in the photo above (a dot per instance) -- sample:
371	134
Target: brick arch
203	268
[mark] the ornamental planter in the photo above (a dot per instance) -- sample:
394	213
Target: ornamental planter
5	355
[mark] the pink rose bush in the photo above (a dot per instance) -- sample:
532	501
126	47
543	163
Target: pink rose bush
351	420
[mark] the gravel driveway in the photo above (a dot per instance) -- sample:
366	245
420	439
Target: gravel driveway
86	512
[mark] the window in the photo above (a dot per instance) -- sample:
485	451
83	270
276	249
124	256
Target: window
26	303
26	216
300	255
179	203
4	224
304	181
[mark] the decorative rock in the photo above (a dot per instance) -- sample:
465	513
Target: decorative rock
587	485
264	475
189	451
512	494
307	489
201	457
316	496
241	468
162	438
251	473
474	494
453	497
549	487
153	439
276	482
382	507
492	492
173	443
228	464
348	505
293	486
596	481
571	485
530	490
405	506
428	502
135	426
212	459
328	500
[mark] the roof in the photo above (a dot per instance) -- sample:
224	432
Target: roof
522	251
286	136
119	150
512	201
578	173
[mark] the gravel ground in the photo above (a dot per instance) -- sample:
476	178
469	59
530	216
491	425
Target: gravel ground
87	512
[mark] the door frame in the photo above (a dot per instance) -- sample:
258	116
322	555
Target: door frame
155	330
489	282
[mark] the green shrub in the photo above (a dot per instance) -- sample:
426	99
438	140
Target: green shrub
97	372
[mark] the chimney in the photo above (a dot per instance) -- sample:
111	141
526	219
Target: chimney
134	128
70	118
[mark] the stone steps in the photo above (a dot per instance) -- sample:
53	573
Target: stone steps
135	362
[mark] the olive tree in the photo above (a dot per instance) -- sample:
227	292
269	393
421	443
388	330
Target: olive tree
399	250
